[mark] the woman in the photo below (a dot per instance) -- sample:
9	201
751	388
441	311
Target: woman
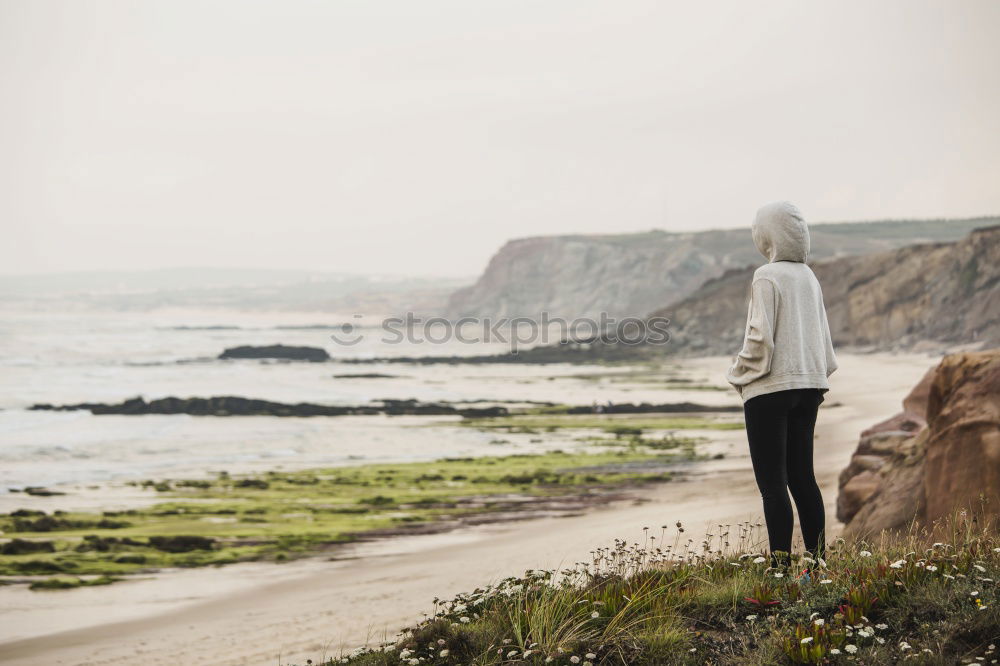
781	376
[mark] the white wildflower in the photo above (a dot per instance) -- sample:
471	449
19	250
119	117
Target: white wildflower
834	651
464	620
898	564
819	622
979	568
881	625
825	581
850	649
905	646
574	659
807	639
751	618
445	653
595	614
758	560
931	567
591	655
865	553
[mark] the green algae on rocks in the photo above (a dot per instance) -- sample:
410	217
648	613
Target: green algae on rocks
276	516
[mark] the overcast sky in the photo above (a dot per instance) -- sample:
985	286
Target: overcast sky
416	136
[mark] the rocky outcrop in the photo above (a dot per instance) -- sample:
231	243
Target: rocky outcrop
237	406
630	275
278	352
590	351
878	444
941	453
937	293
963	445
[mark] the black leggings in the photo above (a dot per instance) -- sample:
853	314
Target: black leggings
780	431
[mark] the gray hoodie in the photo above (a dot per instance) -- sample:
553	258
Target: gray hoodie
787	344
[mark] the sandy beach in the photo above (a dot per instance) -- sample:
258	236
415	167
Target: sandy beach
270	614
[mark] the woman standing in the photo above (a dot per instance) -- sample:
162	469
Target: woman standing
781	375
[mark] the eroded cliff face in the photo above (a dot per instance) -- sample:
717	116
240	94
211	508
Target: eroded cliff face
940	454
945	293
630	275
583	276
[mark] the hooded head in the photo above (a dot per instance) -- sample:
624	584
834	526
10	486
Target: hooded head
780	233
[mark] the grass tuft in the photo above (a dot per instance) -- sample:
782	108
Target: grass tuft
905	599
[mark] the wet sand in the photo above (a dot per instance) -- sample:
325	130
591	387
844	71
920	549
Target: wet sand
284	614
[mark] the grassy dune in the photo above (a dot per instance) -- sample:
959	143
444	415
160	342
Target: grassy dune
916	598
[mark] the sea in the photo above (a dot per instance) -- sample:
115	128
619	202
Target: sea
66	355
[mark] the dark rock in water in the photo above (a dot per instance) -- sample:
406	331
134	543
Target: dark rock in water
56	522
366	375
237	406
202	328
281	352
592	350
26	547
41	492
259	484
181	544
415	408
102	544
